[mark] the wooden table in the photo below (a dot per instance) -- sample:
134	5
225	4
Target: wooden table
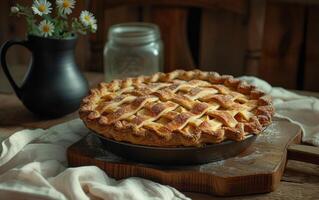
300	180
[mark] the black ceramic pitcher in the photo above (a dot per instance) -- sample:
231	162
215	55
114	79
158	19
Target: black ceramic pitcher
53	85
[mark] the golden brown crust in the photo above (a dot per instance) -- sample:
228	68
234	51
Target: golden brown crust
181	108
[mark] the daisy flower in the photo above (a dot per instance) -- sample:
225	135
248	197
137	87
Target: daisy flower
14	9
87	19
46	28
94	28
65	6
41	7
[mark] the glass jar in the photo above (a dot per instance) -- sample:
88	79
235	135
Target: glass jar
132	49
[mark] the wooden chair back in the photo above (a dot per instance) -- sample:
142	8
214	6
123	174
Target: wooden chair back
172	16
274	39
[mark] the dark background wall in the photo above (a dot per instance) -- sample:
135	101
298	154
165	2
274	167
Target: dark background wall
275	40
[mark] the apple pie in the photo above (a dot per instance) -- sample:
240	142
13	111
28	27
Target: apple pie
180	108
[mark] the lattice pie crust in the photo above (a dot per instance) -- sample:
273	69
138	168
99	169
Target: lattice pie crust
181	108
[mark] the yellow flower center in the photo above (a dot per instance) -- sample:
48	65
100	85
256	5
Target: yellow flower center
87	18
66	4
42	8
46	28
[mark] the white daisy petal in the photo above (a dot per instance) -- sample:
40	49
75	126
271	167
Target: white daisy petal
88	19
46	28
41	7
94	27
65	6
14	9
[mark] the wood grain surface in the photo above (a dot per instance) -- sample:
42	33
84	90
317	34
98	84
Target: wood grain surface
257	170
304	153
311	69
283	37
176	53
238	6
220	49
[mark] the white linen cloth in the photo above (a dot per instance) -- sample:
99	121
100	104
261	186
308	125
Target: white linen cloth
299	109
33	163
33	166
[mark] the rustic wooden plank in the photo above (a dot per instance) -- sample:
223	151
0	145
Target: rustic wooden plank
311	70
301	172
305	2
82	54
306	93
16	28
237	6
223	42
106	17
177	53
6	131
4	17
300	181
304	153
173	32
17	72
95	63
256	170
286	190
256	20
283	36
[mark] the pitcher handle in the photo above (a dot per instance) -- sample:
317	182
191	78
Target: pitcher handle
4	50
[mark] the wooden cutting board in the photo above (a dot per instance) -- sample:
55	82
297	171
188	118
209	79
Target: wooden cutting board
256	170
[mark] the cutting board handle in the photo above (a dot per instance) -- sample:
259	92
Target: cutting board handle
304	153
